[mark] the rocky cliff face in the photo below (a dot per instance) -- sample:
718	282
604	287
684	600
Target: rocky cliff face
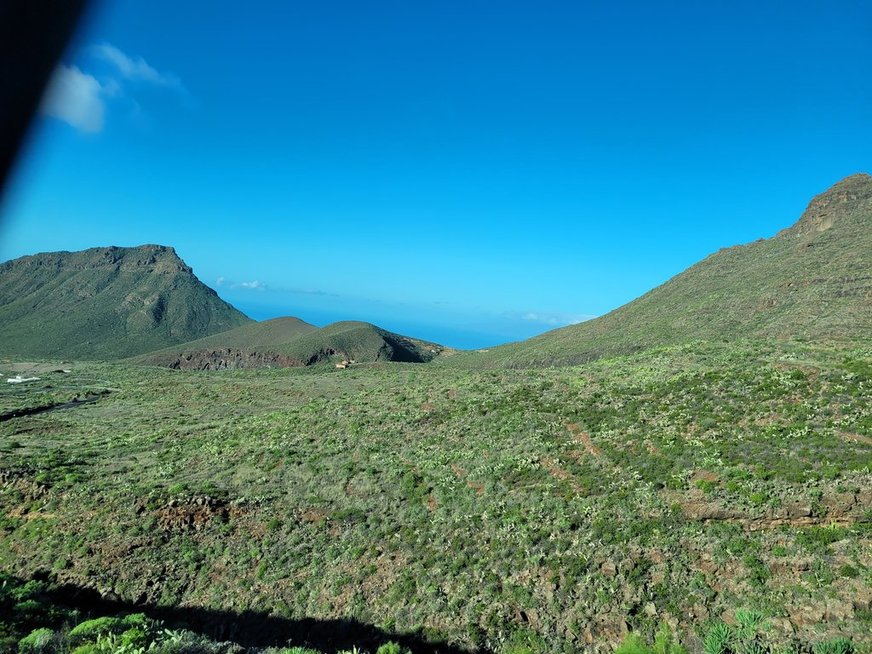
836	204
231	359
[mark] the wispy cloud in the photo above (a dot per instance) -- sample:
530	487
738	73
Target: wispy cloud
76	98
552	319
79	97
135	68
253	285
257	285
309	291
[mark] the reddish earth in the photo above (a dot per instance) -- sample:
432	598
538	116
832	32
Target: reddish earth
584	439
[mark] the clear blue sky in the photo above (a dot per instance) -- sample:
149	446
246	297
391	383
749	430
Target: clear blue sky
467	171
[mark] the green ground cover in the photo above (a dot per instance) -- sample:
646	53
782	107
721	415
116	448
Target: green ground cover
547	510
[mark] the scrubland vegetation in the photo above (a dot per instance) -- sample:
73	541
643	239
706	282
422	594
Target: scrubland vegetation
710	497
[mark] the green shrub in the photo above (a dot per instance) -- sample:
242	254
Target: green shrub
89	648
633	645
717	639
848	570
90	630
664	643
137	620
834	646
391	648
134	637
37	642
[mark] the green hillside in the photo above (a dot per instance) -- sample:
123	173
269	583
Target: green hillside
256	334
243	347
105	303
290	342
362	342
811	281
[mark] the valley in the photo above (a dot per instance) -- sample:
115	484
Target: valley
688	473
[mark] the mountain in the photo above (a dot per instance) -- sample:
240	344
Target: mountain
105	303
290	342
810	281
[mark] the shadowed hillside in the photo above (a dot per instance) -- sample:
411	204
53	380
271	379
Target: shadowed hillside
105	303
69	608
811	281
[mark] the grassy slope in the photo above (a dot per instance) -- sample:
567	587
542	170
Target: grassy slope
362	342
304	343
105	303
813	281
256	335
546	508
266	335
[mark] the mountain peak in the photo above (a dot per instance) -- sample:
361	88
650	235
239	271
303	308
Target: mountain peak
153	256
825	209
106	302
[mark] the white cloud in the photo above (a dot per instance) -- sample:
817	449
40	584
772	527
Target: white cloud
555	319
80	99
135	68
253	285
75	98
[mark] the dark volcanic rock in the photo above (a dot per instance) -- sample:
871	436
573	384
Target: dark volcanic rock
230	359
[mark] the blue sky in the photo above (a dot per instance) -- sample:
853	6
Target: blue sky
465	171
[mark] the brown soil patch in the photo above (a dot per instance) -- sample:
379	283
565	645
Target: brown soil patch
477	486
195	514
312	516
557	472
388	566
432	503
704	475
21	513
582	437
21	481
854	438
